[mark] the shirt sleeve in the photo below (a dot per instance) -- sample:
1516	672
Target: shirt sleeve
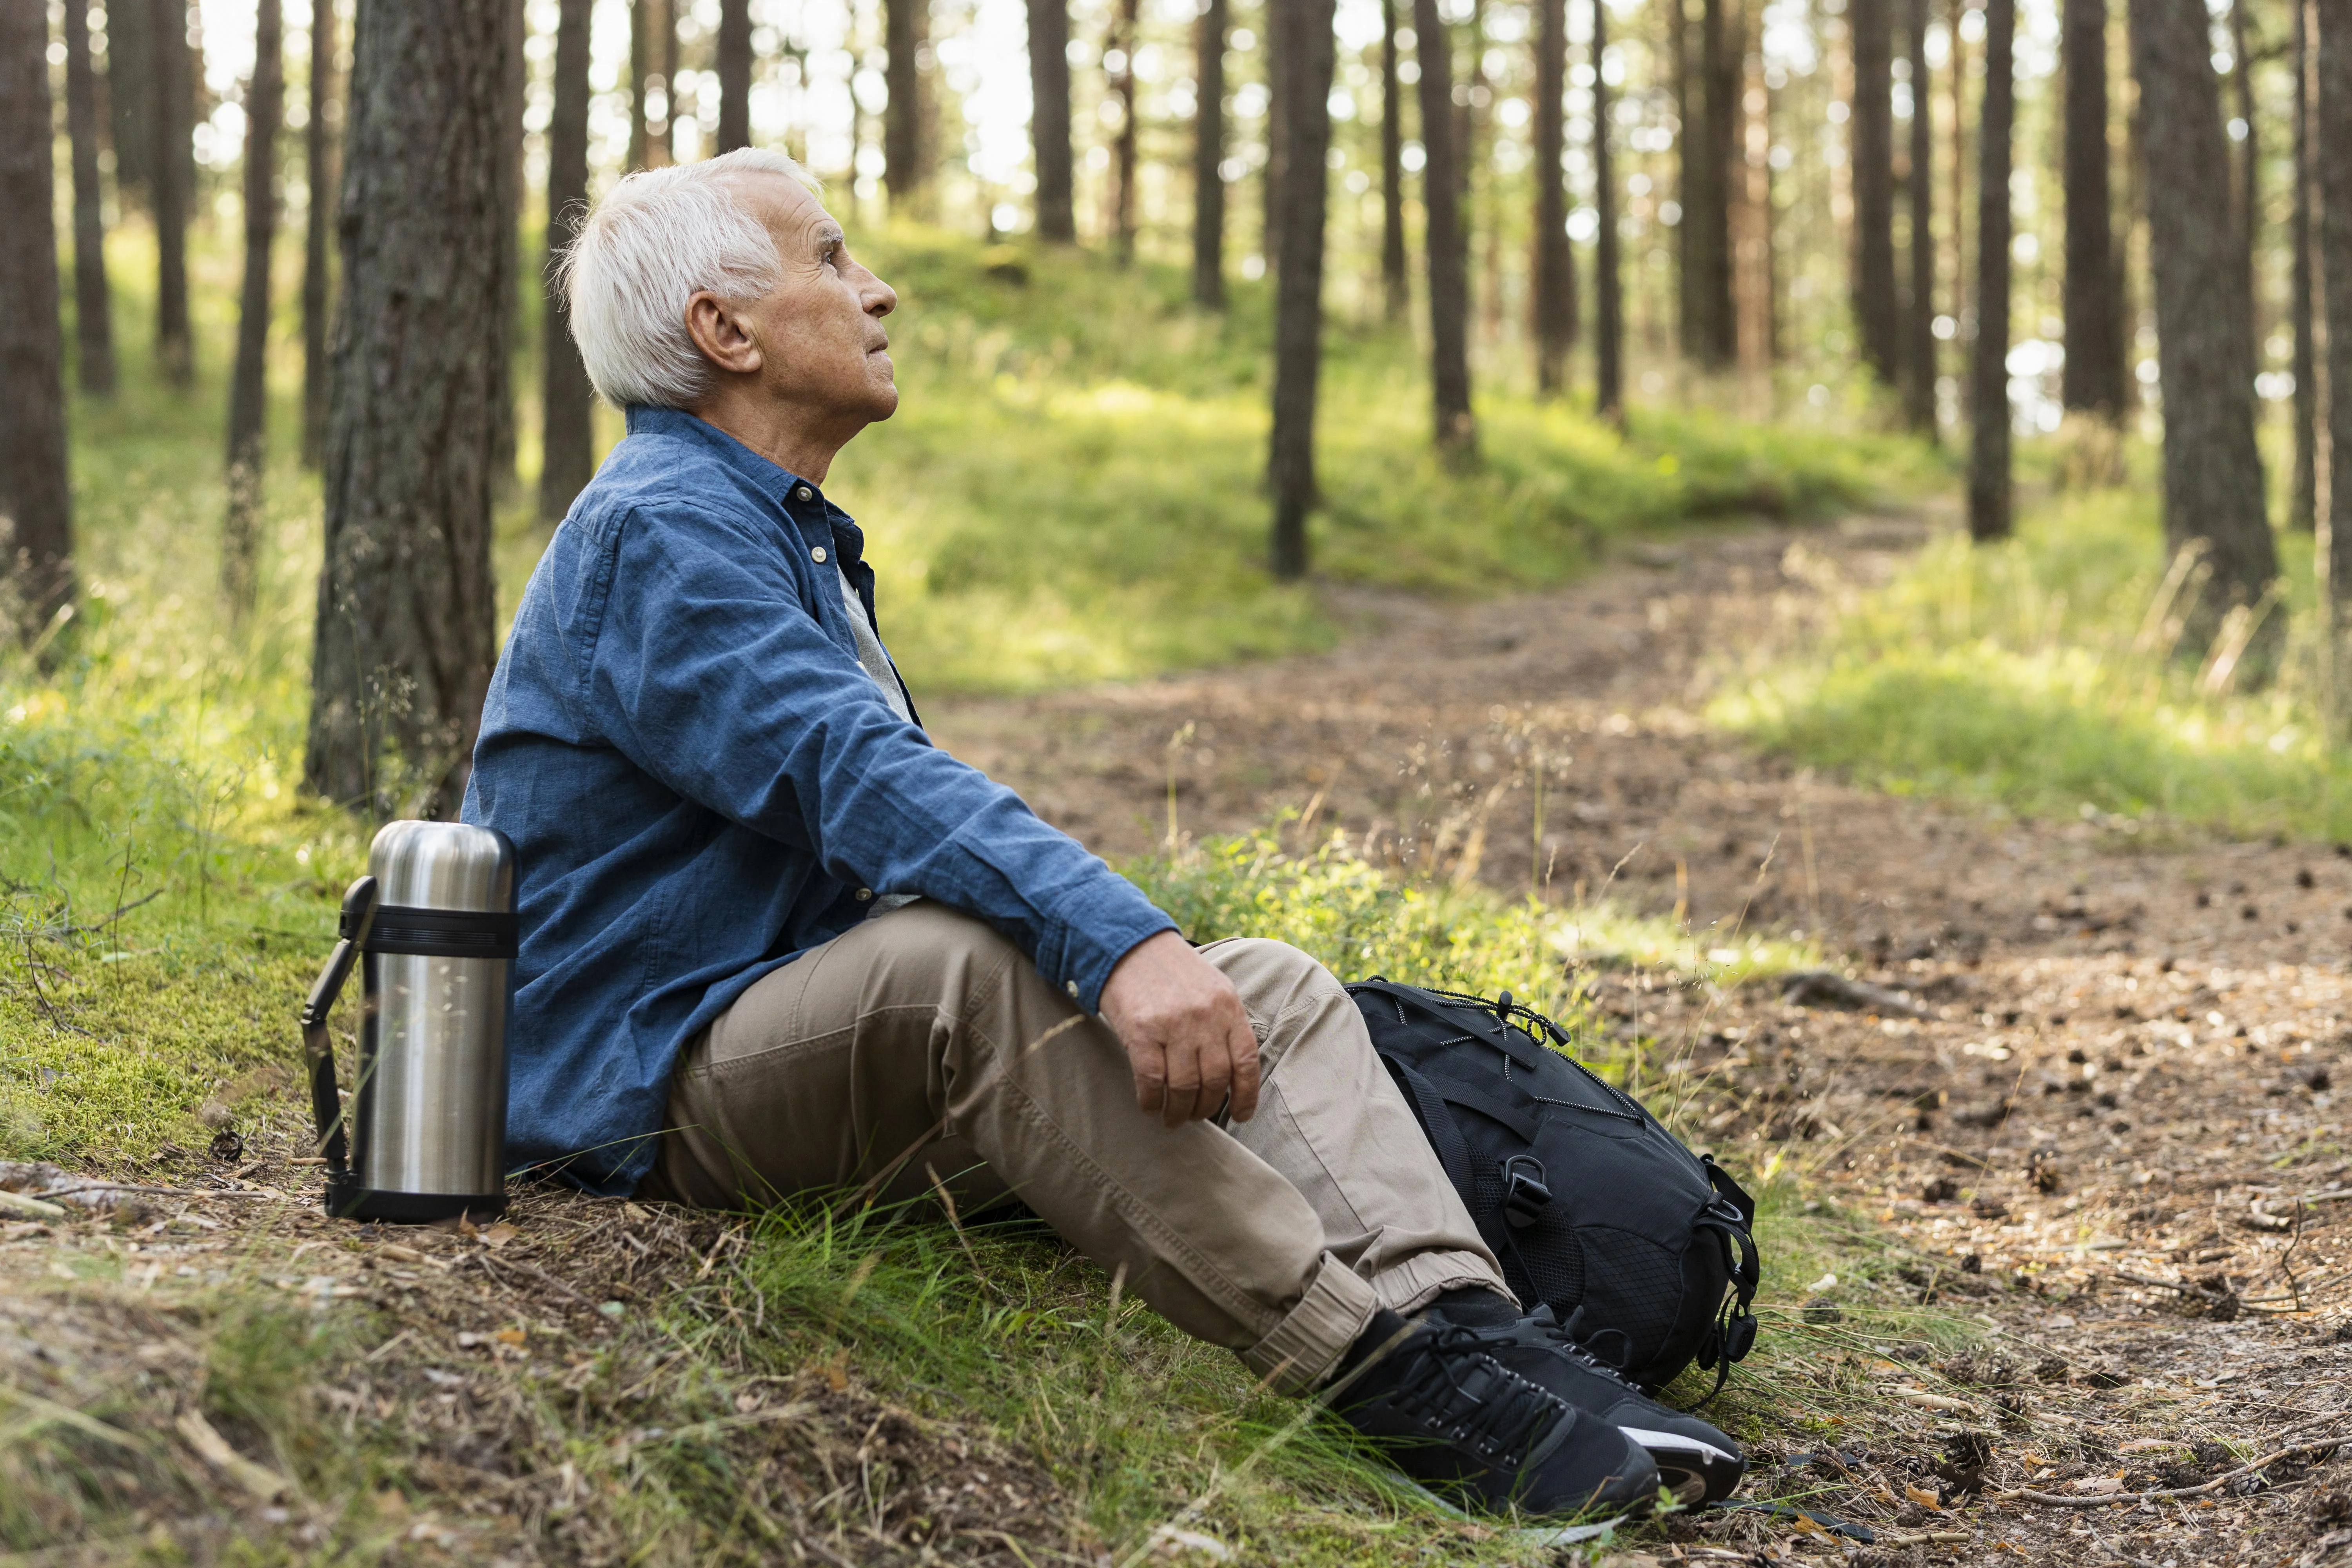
712	674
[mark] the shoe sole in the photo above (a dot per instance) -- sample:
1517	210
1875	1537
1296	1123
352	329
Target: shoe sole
1694	1470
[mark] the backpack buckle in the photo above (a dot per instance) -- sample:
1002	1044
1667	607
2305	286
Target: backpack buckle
1524	1195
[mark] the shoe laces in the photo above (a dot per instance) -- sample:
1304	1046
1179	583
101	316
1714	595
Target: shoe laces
1554	1332
1455	1388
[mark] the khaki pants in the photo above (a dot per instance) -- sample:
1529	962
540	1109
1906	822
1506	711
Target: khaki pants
923	1042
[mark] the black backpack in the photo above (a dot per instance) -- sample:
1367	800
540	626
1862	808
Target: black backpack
1646	1250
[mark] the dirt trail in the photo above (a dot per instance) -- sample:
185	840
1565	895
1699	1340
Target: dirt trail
2089	1118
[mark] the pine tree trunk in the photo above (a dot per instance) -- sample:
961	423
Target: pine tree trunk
1126	19
2332	130
318	253
1989	500
2303	493
35	496
734	51
2092	376
169	168
1555	264
130	97
904	165
515	85
641	47
1449	261
1706	213
1049	122
248	404
1690	181
406	620
1277	147
1395	283
2246	183
2212	471
93	308
1959	204
1608	288
1876	312
1306	56
662	144
567	402
1920	318
1209	157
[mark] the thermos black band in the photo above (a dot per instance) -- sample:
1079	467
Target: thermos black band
442	934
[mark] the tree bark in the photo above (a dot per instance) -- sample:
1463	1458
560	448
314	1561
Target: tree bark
35	496
1877	314
1690	180
2333	128
2246	184
169	168
2092	378
516	86
1049	119
640	68
1959	204
734	52
130	95
248	404
567	401
1608	290
1989	500
904	163
2212	471
1209	156
93	308
1395	283
406	619
1125	20
318	256
1449	261
2303	493
1306	56
1555	263
1706	212
1919	318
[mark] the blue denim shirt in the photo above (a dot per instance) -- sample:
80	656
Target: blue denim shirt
702	782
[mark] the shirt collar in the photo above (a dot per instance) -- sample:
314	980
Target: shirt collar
774	481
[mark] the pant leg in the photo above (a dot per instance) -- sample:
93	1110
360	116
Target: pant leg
1333	1122
922	1035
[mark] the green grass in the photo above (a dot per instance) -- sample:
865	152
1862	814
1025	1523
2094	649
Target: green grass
2046	675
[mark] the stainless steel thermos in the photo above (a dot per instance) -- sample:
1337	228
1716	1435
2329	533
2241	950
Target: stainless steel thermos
432	927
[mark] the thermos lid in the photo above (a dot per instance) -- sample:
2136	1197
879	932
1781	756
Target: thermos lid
442	866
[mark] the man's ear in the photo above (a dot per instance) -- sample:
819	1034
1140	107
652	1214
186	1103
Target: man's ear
723	334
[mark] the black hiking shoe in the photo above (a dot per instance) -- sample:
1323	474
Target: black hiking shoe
1696	1462
1449	1413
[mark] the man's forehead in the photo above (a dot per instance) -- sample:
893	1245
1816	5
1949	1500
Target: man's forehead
782	202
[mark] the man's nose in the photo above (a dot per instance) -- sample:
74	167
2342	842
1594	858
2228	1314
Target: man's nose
881	299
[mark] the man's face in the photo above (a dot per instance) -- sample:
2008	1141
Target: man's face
819	329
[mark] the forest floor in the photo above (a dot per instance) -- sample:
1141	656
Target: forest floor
2082	1079
2098	1075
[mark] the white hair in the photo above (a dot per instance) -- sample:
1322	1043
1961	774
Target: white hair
660	236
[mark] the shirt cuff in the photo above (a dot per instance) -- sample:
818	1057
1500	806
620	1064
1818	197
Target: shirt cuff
1097	932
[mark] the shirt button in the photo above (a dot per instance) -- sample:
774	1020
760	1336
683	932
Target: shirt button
817	556
1071	986
801	494
864	894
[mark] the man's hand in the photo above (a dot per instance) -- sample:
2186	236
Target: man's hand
1186	1033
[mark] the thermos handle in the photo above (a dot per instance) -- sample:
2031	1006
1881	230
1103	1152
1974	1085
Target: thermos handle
326	1105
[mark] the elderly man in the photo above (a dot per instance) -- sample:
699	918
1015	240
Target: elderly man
774	940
